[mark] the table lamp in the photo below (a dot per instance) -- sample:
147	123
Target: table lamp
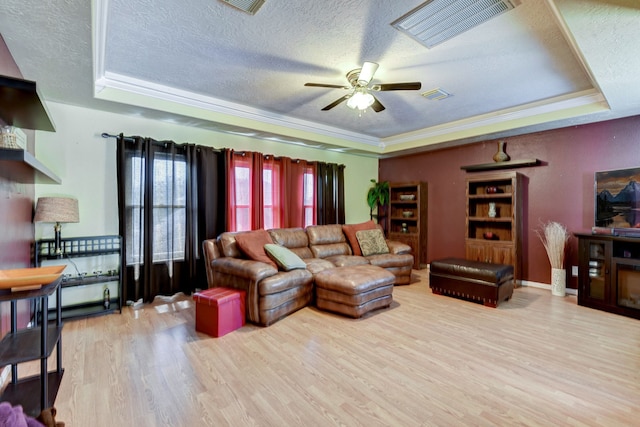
58	210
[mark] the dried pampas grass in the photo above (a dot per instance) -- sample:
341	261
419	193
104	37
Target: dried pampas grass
554	237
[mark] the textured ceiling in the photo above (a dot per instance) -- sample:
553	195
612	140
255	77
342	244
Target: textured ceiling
541	65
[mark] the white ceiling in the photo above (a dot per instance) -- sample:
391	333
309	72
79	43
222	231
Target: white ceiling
542	65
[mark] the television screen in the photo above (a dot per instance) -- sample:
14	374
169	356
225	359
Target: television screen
618	198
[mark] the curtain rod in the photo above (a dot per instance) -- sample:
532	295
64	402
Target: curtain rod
242	153
159	143
126	138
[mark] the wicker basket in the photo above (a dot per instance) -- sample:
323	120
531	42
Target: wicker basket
8	140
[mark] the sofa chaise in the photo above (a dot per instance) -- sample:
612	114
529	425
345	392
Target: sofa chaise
273	292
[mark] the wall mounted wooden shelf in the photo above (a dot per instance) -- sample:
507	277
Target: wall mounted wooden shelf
21	106
20	166
501	165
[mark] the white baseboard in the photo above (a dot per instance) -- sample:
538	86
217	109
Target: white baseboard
544	286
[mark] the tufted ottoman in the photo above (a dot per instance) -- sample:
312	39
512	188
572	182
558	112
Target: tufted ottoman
472	280
354	290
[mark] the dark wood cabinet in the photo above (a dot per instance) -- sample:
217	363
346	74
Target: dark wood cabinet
494	219
408	218
609	273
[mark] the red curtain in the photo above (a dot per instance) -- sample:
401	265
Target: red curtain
276	191
231	190
256	193
272	193
249	200
293	191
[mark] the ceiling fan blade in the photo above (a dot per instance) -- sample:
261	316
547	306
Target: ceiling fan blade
377	106
398	86
367	72
324	85
336	102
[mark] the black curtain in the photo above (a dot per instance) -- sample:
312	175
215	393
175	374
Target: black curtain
329	193
170	198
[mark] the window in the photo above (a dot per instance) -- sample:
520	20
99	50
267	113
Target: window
169	208
243	196
309	198
271	195
298	195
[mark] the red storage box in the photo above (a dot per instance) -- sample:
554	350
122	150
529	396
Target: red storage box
219	310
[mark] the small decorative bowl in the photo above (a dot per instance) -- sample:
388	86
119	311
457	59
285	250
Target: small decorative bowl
407	214
406	197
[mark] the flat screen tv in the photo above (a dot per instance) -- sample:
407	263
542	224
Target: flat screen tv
618	199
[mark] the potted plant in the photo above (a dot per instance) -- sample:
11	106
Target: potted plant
554	237
377	197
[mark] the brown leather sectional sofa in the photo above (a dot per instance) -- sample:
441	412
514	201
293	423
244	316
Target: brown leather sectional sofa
273	294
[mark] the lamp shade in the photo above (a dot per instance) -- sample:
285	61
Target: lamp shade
57	209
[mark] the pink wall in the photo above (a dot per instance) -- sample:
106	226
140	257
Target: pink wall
561	189
16	209
16	199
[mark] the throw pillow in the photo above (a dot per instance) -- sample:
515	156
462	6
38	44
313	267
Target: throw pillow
350	231
372	242
285	259
251	243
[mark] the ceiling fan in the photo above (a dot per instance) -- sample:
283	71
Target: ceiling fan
360	96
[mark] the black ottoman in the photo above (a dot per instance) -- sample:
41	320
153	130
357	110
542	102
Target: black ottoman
472	280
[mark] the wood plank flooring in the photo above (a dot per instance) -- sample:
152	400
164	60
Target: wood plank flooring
428	360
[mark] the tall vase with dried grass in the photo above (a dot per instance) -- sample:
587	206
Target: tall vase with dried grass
554	237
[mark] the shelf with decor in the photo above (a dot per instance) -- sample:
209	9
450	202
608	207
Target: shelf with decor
21	107
92	280
407	222
494	219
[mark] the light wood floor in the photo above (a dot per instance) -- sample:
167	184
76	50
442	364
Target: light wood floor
429	360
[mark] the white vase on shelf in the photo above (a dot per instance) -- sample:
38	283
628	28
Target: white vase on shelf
492	210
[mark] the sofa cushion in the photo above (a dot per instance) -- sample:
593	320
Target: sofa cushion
228	245
285	259
294	239
252	244
327	240
372	242
350	231
347	260
391	260
325	234
316	265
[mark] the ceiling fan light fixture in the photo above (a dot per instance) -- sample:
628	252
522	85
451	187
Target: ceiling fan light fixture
360	100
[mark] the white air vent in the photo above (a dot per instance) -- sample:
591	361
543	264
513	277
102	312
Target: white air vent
436	94
250	6
439	20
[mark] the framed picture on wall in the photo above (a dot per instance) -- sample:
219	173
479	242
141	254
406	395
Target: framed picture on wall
617	199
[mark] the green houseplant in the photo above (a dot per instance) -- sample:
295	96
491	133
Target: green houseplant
377	197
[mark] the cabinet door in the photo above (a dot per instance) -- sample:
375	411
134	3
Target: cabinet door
595	271
501	254
490	252
476	251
